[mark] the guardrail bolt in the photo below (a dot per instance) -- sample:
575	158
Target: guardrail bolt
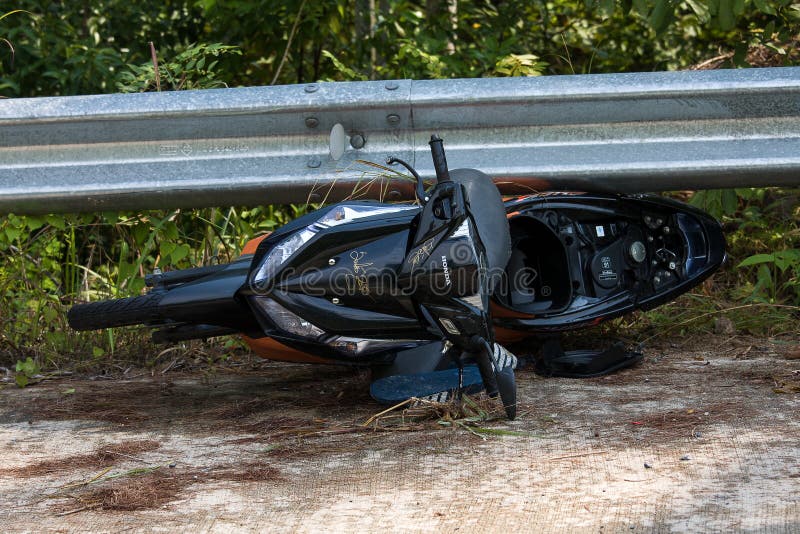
312	122
357	141
394	194
392	85
311	88
314	162
393	119
313	198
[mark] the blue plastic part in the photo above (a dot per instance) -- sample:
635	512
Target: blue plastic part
397	388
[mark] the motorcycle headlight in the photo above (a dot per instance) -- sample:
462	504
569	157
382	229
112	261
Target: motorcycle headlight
286	320
284	250
278	255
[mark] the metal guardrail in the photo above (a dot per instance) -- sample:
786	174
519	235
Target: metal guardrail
615	132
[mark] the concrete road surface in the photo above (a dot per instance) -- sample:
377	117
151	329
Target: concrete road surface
703	436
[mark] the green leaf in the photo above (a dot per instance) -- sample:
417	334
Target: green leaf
626	6
348	73
764	277
785	259
170	230
34	223
26	370
98	352
180	252
57	221
641	6
21	380
765	6
165	250
740	55
140	232
607	7
769	29
661	15
701	9
749	193
13	233
757	259
725	18
28	366
730	202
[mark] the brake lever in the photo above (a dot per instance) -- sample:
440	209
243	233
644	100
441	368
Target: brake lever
419	189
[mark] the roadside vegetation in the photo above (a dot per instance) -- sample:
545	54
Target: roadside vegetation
103	46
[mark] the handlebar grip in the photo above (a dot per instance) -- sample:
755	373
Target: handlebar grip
439	159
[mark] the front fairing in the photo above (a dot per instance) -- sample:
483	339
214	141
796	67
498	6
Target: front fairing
372	285
342	284
346	280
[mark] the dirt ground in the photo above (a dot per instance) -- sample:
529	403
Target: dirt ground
704	435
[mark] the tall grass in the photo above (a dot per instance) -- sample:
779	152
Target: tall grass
48	263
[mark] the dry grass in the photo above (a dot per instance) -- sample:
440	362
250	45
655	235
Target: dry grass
421	414
681	422
121	403
757	56
792	353
266	430
308	449
246	472
787	383
241	410
161	486
147	491
104	456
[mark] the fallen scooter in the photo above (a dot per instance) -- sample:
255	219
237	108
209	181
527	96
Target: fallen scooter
425	294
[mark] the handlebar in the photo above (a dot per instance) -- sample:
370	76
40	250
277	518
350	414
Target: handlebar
439	159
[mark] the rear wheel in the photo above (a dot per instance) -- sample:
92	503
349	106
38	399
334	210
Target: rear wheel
113	313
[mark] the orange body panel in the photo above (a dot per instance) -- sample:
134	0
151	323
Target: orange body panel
499	310
266	347
251	246
506	335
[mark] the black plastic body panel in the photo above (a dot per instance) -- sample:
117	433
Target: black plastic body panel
212	300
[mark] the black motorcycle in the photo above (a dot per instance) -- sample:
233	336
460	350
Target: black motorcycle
416	291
